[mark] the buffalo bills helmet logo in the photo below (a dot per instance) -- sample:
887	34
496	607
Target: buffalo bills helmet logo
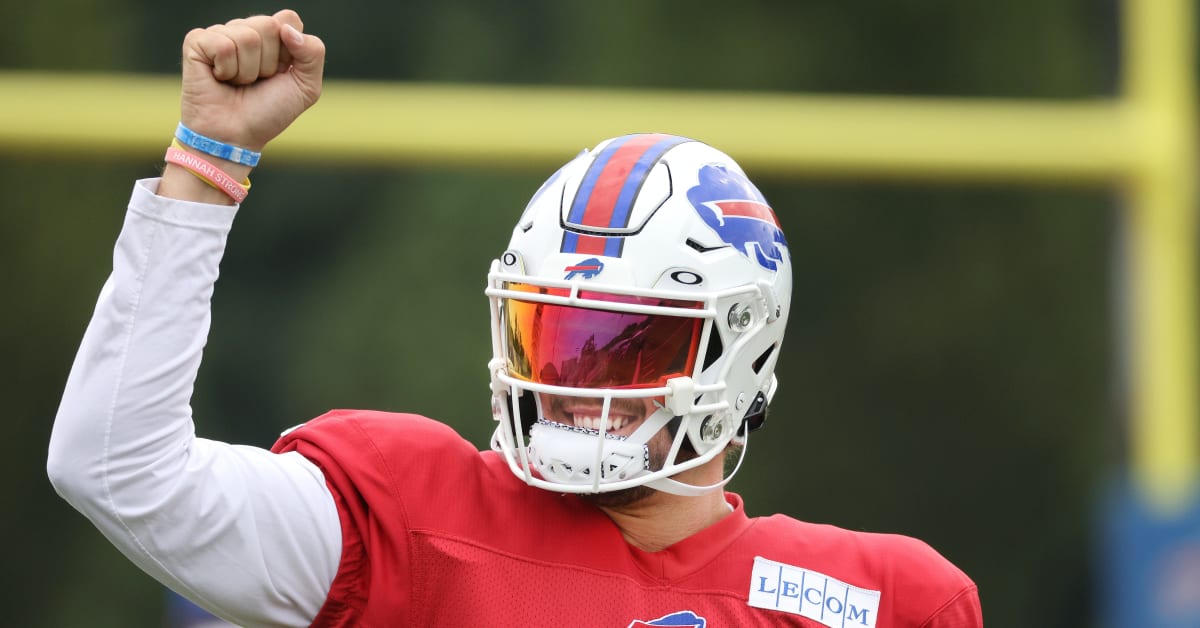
737	211
587	269
686	619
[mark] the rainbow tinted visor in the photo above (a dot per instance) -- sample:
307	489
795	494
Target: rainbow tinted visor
590	339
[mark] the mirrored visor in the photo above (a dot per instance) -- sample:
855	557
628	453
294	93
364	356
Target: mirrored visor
582	347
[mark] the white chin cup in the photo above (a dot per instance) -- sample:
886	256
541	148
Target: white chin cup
571	455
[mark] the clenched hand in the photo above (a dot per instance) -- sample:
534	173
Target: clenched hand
246	80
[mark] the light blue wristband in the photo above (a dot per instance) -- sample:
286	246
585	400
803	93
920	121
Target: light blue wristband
216	148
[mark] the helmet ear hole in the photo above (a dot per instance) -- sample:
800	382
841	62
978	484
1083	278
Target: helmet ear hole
714	350
761	360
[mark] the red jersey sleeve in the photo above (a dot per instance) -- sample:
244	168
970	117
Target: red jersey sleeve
923	576
963	611
373	492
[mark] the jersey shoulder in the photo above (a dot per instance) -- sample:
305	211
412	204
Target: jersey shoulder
385	456
338	428
855	551
915	581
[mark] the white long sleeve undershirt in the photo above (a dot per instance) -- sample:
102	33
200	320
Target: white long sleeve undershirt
250	535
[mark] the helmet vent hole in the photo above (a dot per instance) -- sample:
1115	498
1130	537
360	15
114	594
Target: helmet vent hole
762	359
700	248
714	350
526	227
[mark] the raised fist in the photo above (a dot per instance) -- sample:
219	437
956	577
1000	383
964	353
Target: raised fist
246	80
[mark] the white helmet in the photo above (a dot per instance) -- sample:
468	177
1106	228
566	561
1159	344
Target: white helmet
647	273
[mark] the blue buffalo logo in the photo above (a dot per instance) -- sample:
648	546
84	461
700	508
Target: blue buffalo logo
686	619
738	213
586	269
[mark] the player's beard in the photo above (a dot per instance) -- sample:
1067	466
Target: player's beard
618	499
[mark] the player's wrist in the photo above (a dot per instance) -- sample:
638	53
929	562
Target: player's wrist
214	146
184	182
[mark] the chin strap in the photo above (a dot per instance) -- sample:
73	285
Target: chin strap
675	487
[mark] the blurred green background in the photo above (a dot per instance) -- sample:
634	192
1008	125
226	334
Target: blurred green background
949	370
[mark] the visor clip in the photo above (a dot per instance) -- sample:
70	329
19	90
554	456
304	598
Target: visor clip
681	399
495	367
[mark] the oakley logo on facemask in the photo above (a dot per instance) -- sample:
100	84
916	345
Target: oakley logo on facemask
586	269
738	213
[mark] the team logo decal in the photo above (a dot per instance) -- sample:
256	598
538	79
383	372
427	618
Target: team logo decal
737	211
687	619
586	269
807	593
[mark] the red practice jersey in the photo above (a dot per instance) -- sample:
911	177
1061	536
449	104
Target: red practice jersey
436	533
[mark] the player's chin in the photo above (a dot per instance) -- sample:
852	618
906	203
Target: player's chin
618	499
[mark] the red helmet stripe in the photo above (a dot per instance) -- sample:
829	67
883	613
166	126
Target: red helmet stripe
609	188
603	199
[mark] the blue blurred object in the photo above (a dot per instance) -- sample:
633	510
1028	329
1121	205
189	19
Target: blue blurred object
182	613
1152	569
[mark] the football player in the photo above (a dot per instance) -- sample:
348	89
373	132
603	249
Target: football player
637	314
